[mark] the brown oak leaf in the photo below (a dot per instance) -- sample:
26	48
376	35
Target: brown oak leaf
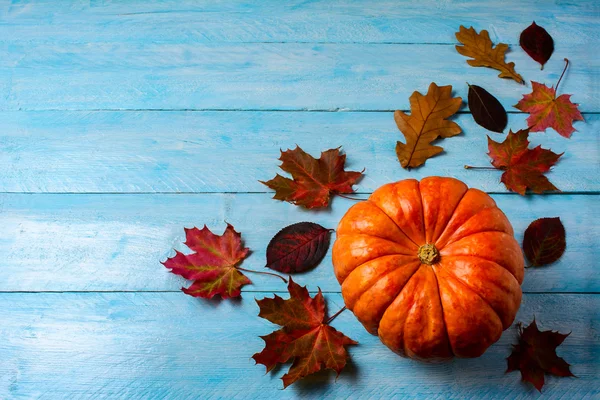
305	335
479	47
213	265
313	180
426	122
535	354
523	168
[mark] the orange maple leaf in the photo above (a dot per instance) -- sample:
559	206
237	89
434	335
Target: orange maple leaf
305	335
523	168
548	111
313	180
213	265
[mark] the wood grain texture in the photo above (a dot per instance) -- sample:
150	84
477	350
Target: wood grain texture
339	21
170	346
187	152
266	76
115	242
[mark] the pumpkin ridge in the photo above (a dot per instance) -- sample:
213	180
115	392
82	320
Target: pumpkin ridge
486	259
460	282
451	240
442	308
449	271
384	275
469	235
433	240
392	219
379	237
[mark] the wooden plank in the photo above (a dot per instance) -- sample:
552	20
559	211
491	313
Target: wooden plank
169	346
115	242
266	76
340	21
183	152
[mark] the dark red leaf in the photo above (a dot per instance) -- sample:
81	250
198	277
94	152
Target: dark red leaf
535	354
486	109
544	241
537	43
298	247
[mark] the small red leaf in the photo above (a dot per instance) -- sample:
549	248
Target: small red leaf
314	181
535	354
212	266
537	43
298	247
544	241
523	168
304	337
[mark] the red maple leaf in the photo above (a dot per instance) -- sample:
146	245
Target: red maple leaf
212	266
305	335
535	354
548	111
313	180
523	168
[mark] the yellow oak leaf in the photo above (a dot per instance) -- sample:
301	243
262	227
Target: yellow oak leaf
426	122
479	47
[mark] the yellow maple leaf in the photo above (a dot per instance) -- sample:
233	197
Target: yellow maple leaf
479	47
426	122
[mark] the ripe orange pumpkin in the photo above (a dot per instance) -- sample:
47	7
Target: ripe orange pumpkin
431	267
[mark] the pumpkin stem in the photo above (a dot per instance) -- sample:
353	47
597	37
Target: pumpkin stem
428	254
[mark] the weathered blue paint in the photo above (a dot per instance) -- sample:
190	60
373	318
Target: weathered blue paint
98	181
191	152
171	346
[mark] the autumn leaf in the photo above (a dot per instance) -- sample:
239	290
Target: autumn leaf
213	265
305	335
298	247
479	47
486	109
544	241
523	168
535	354
426	122
313	180
548	111
537	42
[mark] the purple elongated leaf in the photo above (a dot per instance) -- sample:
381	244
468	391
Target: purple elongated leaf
537	42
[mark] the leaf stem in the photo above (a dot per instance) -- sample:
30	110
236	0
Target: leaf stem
349	198
561	75
262	272
335	315
471	167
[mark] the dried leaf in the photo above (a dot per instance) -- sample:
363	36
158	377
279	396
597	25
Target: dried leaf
212	266
544	241
548	111
535	354
426	122
298	247
304	337
523	168
313	180
486	109
537	43
479	47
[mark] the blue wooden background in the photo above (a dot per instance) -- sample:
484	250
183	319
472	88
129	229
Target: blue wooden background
123	122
